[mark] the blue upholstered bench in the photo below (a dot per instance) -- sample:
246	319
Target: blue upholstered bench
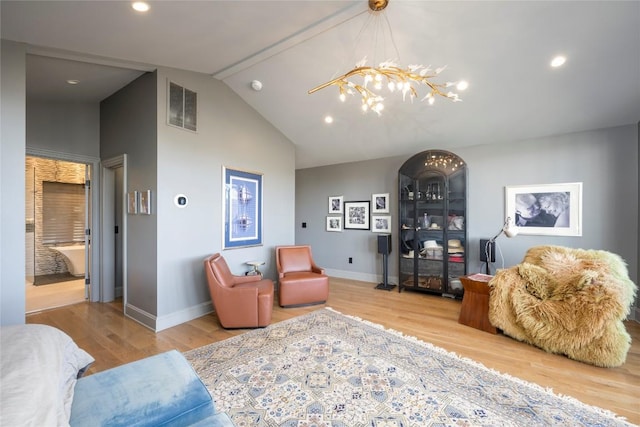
161	390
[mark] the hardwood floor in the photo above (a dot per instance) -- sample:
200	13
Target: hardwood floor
112	340
54	295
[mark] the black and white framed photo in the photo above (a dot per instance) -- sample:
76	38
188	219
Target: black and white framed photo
381	224
546	209
335	205
334	223
380	203
357	215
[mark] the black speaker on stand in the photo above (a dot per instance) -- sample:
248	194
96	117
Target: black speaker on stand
384	248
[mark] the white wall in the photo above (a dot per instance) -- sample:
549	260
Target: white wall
605	161
12	154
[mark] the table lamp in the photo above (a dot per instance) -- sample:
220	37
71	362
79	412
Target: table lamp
509	229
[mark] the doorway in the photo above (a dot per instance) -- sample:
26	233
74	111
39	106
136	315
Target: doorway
57	211
113	229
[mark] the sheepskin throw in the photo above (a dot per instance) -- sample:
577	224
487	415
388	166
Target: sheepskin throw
566	301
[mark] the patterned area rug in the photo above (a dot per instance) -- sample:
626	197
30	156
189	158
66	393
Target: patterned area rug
325	369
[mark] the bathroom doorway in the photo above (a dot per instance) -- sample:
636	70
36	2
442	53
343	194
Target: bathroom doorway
57	212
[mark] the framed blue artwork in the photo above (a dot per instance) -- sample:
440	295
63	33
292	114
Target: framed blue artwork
242	208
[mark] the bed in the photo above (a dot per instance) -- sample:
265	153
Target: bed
42	383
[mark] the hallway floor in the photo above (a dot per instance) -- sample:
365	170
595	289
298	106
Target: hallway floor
55	295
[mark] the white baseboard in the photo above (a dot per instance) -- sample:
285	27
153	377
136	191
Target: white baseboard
158	324
363	277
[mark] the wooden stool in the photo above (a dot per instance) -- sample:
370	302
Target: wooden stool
475	302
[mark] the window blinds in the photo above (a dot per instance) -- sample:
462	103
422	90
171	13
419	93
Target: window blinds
62	212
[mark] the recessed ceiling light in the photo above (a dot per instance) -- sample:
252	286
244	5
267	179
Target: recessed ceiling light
328	120
140	6
558	61
73	81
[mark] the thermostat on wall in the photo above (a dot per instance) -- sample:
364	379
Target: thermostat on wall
181	200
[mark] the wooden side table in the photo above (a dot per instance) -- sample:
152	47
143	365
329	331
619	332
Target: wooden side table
475	302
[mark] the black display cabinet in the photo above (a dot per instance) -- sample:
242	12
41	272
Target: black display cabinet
433	223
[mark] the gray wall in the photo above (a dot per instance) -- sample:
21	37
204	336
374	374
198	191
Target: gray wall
166	282
605	161
166	277
230	134
355	182
64	127
128	125
12	155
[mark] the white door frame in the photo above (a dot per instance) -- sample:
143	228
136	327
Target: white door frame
94	164
107	224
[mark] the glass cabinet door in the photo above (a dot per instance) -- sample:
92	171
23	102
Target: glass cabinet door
407	221
432	224
456	232
430	234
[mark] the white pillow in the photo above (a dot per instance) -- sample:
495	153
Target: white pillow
38	372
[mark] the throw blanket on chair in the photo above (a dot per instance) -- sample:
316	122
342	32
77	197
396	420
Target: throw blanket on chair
566	301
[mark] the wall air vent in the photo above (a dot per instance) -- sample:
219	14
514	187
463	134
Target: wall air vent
182	108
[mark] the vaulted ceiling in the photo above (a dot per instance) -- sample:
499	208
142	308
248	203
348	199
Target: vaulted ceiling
502	48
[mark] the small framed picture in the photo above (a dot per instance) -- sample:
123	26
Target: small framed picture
334	223
380	203
145	202
132	202
381	224
335	204
357	216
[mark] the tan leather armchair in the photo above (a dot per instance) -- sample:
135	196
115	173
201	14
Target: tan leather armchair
239	301
301	281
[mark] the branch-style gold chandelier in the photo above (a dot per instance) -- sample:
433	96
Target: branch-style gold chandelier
396	78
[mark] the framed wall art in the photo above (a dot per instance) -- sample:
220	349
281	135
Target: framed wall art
334	223
380	203
546	209
356	215
145	202
381	224
132	202
335	205
242	192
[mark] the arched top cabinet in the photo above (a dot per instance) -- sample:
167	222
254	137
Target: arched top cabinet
433	223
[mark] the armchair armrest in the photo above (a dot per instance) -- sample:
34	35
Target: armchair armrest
246	279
